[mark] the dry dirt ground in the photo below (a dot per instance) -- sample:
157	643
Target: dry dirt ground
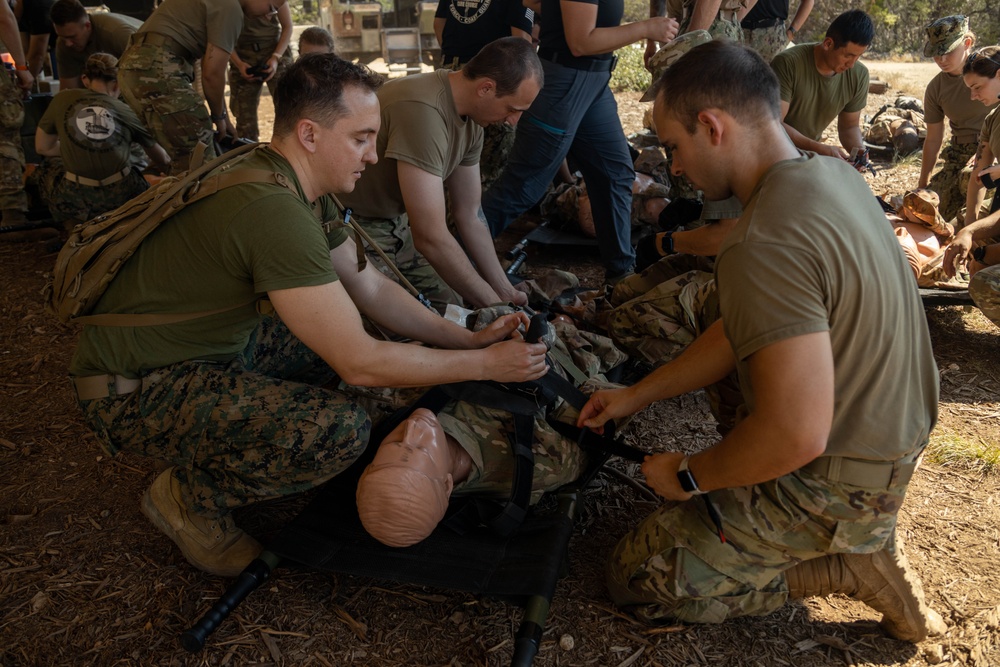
85	579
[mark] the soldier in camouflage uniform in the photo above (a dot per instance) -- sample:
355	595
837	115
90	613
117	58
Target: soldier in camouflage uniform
263	43
86	134
693	15
799	504
231	399
13	201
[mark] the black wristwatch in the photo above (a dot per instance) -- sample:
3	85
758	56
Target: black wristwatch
686	478
979	254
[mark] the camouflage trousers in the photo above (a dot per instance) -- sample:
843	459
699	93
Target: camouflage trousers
498	140
768	42
673	566
725	25
984	287
662	310
69	201
256	428
244	96
158	86
952	180
11	152
394	237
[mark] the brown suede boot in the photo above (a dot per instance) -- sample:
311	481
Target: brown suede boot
212	544
882	580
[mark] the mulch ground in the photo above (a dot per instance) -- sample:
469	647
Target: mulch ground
85	579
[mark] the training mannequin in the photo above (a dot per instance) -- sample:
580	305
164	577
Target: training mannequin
403	494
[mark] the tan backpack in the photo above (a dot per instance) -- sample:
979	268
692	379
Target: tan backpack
97	249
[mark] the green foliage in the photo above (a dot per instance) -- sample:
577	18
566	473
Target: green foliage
635	10
631	74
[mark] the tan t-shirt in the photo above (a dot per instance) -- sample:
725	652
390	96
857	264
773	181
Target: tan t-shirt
110	34
197	23
815	100
991	131
420	126
831	263
948	97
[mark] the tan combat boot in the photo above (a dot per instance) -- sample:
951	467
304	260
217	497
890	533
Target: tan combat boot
212	544
882	580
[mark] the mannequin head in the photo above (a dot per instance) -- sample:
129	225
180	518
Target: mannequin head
403	494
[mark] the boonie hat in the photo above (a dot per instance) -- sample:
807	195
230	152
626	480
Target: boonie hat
945	34
670	54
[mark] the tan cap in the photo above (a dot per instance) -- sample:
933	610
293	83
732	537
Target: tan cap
943	35
670	54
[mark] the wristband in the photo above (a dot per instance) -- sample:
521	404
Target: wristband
979	254
216	119
667	243
21	68
686	478
792	30
276	55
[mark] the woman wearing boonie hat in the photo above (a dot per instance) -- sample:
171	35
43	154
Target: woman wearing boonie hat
949	41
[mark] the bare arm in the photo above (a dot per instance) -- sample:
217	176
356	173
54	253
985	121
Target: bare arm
849	130
801	16
789	427
932	148
961	246
38	52
157	154
439	30
423	196
976	192
805	143
705	361
585	39
704	14
466	197
213	80
12	40
656	8
324	318
46	144
285	21
705	240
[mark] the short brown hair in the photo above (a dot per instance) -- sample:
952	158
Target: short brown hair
313	87
67	11
508	61
317	37
722	75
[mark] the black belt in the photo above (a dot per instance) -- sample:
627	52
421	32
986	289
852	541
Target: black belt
585	64
756	24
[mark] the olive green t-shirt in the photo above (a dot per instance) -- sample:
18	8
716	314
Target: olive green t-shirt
197	23
109	34
831	263
815	100
264	29
420	126
990	133
948	97
225	250
95	131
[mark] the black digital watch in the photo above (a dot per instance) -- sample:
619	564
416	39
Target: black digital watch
686	478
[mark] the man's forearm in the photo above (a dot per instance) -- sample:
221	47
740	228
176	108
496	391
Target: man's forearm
450	262
704	14
705	240
479	244
801	141
850	137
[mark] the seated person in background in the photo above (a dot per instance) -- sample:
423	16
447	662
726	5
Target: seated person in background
822	81
82	34
431	136
805	490
91	130
949	42
235	400
315	40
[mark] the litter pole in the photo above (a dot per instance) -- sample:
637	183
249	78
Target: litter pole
255	574
529	635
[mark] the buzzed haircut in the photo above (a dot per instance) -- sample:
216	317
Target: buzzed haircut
509	61
317	37
67	11
984	62
313	87
720	75
852	26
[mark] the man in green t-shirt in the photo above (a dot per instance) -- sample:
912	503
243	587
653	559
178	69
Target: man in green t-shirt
802	494
431	137
235	400
823	81
156	72
82	34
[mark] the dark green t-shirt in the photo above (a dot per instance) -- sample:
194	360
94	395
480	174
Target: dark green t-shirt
948	97
831	263
95	131
109	34
225	250
815	100
197	23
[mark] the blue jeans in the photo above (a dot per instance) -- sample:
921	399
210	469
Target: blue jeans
574	114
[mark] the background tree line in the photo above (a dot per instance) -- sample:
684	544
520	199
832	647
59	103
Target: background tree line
900	23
